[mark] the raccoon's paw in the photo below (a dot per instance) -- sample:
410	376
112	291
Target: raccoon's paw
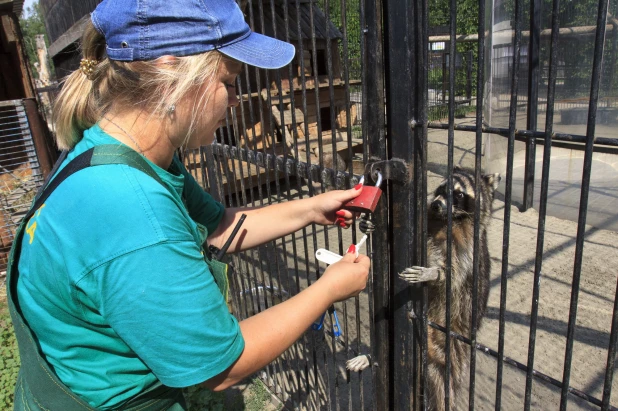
418	274
358	363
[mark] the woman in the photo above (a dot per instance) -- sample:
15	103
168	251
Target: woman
113	302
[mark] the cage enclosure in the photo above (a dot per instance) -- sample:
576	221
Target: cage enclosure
576	48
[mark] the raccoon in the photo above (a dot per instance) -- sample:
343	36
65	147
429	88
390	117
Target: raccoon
463	208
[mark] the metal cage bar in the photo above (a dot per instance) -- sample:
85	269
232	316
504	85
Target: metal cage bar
398	86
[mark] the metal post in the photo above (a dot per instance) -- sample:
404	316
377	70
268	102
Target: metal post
373	90
444	76
401	91
549	128
534	70
469	78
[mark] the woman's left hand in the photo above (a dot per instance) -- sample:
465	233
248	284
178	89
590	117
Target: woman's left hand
327	207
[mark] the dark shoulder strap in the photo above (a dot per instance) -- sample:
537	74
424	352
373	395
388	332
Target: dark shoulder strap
38	388
117	154
96	156
52	173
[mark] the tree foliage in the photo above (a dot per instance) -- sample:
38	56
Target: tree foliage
32	24
466	16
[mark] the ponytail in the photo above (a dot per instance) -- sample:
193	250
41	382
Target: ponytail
76	108
87	95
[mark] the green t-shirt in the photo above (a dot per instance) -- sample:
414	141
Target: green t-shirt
114	285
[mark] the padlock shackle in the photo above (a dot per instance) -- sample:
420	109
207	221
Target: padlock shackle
379	180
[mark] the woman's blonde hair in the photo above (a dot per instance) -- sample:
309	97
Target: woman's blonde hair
155	87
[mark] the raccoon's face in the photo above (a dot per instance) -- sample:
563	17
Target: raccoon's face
463	195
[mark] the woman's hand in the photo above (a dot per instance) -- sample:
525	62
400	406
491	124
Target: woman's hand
347	277
327	207
271	332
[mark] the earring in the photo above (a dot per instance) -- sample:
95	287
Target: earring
171	109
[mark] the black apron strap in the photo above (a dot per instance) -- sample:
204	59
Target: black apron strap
52	173
38	387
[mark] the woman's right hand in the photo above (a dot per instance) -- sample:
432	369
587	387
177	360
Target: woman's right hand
347	277
271	332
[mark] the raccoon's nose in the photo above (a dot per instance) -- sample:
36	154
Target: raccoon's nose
437	206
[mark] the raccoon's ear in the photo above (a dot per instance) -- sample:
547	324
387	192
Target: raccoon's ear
492	180
457	168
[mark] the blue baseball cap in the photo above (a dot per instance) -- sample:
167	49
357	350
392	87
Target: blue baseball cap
145	30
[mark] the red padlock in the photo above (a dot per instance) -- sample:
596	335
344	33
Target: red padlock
368	199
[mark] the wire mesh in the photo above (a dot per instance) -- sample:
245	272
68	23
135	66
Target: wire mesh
20	174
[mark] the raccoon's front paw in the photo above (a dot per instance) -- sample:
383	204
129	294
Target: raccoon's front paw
358	363
418	274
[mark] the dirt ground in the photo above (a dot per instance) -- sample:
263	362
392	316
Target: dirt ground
312	374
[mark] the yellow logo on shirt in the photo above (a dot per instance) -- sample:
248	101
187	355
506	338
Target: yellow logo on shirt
31	226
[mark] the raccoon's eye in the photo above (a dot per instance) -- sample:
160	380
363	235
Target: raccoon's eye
459	195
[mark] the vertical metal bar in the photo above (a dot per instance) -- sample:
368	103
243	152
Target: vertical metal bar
266	126
449	202
549	124
288	185
308	151
310	187
252	252
277	176
401	89
611	356
209	171
469	72
348	127
444	76
286	173
303	82
346	82
534	74
420	183
480	92
362	40
316	79
335	166
597	65
222	160
507	201
375	141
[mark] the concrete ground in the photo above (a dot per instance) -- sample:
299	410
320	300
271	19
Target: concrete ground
311	375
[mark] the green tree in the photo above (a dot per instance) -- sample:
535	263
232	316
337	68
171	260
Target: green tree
32	24
466	17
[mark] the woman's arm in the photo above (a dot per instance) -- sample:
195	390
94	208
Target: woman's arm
264	224
269	333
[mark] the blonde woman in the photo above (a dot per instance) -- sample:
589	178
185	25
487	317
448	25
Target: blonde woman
115	303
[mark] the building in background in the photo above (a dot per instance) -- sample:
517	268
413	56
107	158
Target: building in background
27	151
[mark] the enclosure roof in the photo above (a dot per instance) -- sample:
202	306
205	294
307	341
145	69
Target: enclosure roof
324	29
14	6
